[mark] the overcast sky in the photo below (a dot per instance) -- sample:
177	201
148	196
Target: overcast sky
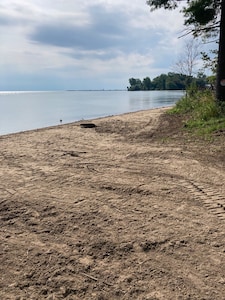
83	44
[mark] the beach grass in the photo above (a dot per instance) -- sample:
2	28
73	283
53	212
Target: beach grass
203	115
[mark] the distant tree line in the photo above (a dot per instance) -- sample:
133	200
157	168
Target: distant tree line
170	81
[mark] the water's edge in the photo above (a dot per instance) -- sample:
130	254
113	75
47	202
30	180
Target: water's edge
21	112
78	122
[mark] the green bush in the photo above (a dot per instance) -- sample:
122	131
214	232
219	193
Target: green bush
202	111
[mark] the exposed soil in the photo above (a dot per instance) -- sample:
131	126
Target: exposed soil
133	208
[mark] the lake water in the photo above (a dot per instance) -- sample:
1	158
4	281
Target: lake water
20	111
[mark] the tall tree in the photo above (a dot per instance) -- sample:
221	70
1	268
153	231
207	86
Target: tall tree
147	84
220	78
203	18
186	63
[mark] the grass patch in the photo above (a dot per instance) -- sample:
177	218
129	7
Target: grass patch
203	114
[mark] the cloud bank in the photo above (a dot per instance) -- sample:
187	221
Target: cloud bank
77	44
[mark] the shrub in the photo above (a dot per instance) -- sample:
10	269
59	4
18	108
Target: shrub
202	110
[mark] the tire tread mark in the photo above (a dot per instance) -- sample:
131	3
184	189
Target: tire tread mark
212	199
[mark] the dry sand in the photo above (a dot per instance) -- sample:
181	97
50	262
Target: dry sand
131	209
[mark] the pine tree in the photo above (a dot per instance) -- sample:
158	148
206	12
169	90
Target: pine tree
204	18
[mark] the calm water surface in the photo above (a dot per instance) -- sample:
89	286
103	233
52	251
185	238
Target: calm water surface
21	111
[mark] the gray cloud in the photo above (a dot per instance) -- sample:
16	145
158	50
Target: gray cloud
105	30
71	36
82	43
5	21
105	35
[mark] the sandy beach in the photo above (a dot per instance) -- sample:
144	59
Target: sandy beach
133	208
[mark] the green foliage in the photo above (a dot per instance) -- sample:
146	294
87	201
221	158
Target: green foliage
200	15
205	18
204	114
200	12
170	81
167	4
212	80
135	84
147	84
210	60
159	83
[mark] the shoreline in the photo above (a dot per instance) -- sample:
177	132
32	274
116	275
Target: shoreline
29	112
83	120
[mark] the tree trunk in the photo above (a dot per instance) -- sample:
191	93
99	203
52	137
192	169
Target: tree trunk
220	88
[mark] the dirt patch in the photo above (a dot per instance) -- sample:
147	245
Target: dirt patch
132	208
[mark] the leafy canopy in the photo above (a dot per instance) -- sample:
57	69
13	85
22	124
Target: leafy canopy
205	18
201	16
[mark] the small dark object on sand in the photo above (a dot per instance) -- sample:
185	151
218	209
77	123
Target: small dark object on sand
87	125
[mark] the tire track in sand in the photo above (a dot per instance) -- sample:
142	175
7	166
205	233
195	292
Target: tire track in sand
212	199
